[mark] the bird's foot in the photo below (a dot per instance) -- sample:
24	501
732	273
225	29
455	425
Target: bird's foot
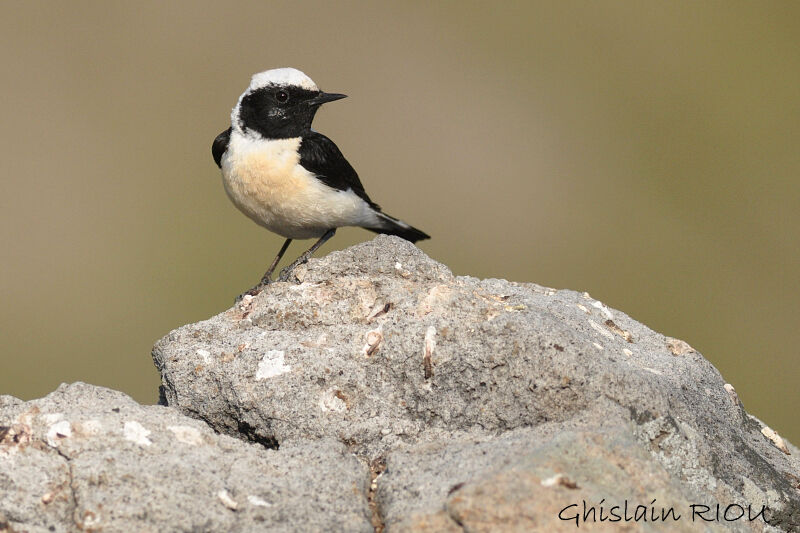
287	271
254	291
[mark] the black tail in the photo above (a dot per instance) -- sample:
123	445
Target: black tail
393	226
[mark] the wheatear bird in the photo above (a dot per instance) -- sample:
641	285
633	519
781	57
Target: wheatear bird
288	178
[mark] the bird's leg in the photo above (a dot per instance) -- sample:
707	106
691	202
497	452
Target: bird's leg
266	279
308	253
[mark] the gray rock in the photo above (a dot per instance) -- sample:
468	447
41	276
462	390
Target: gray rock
537	479
383	349
86	458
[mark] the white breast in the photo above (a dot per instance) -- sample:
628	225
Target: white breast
265	180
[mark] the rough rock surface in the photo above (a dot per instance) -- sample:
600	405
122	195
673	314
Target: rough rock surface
492	404
86	458
381	392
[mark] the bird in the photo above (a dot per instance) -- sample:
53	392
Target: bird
288	178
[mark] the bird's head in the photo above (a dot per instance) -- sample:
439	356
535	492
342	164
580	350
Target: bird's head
279	104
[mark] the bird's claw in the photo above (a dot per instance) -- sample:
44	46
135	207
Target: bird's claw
285	273
254	291
288	270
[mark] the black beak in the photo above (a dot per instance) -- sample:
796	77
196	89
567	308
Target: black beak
324	98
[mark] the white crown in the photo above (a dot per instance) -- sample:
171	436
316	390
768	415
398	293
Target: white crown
280	77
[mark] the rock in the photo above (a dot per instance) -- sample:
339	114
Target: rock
536	479
91	459
493	404
382	392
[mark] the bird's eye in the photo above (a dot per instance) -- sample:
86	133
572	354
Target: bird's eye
282	97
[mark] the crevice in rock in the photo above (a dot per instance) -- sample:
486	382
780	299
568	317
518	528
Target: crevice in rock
162	396
251	433
73	509
376	468
244	431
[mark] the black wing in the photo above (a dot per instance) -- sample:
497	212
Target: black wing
220	145
322	157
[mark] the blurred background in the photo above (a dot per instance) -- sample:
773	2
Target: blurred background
648	153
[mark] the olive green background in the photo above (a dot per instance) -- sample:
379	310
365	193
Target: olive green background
646	152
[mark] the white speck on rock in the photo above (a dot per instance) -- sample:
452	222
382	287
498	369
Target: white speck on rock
603	309
430	340
205	354
551	481
776	439
187	435
92	520
374	338
559	480
329	401
227	500
732	393
597	345
58	431
627	352
271	365
255	500
402	271
136	433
